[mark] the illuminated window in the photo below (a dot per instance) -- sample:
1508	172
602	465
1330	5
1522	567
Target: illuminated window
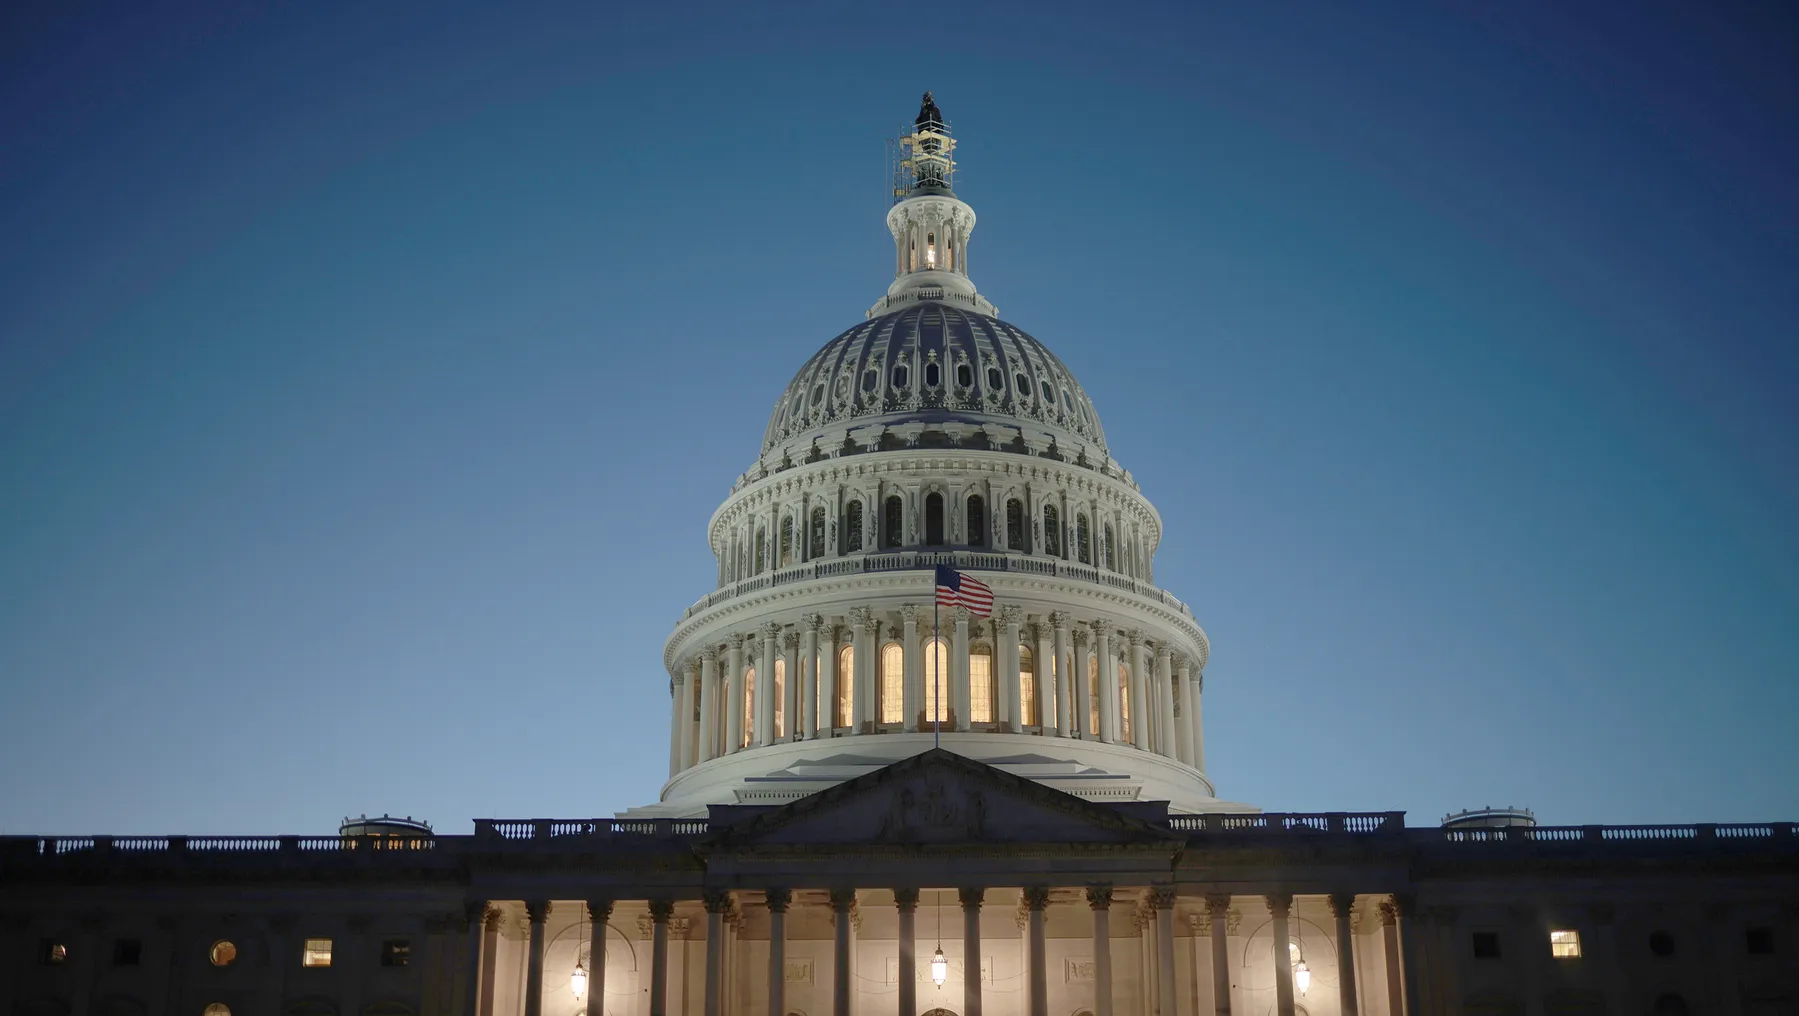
846	685
223	953
980	684
52	953
1564	945
977	521
396	952
893	683
749	706
316	953
936	682
1027	686
1052	531
852	527
216	1009
1124	702
780	693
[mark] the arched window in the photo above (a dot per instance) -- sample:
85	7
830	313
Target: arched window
1023	383
1111	549
816	545
933	375
933	519
846	686
893	683
1027	686
852	527
936	682
893	522
779	689
786	541
1014	525
1124	702
977	521
1052	531
1093	694
995	380
964	375
761	546
1083	543
980	684
749	707
899	376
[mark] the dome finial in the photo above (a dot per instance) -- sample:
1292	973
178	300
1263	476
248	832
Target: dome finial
928	113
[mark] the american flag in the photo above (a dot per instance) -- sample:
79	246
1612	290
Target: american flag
955	588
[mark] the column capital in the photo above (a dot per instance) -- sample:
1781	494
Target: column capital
709	654
473	912
1099	895
716	901
771	630
661	910
909	612
1078	635
1341	904
1165	653
1218	904
1058	620
1101	628
790	640
738	639
814	622
599	910
492	919
1279	904
842	900
1389	912
1008	615
1133	636
906	899
971	897
1161	897
1036	897
861	617
538	910
777	900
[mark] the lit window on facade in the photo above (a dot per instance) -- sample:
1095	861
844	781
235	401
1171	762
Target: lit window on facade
749	707
1027	686
216	1009
396	952
846	685
316	953
1564	945
893	683
223	953
780	694
980	684
936	682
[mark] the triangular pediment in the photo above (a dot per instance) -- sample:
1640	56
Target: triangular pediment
937	798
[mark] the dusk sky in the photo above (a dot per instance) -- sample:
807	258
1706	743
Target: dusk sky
369	373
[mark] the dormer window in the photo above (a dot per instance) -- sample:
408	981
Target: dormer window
933	375
995	380
899	376
964	375
1024	384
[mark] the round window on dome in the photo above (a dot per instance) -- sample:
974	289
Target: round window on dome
223	953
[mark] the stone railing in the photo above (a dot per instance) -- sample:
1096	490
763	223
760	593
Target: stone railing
54	846
552	828
924	560
1387	822
1700	833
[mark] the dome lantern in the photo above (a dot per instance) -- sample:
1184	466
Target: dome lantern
930	225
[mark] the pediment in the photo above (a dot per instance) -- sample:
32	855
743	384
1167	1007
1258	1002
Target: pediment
939	798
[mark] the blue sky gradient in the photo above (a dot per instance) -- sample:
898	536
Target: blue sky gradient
368	375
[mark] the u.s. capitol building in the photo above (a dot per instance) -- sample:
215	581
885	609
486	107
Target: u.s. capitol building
877	806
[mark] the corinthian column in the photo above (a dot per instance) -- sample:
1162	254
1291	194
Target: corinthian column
1142	712
539	912
598	913
1099	897
733	703
1005	658
917	699
1085	707
790	689
675	681
863	628
841	901
765	684
708	739
971	950
690	690
906	901
809	677
828	677
777	899
1278	906
1198	686
1067	723
1165	700
1049	698
958	672
1342	907
1183	720
1108	685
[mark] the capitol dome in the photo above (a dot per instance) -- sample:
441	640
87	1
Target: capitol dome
934	443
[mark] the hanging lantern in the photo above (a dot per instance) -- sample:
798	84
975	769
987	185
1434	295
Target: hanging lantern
1302	977
577	981
939	968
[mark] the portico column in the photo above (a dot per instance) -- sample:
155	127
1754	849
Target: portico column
1049	698
660	912
1143	711
1411	938
690	694
1036	898
1198	685
675	681
917	699
1099	897
958	673
708	738
971	950
1084	706
1389	932
472	914
539	911
1183	723
841	901
765	684
715	901
777	901
1162	899
809	675
789	703
906	902
862	636
1066	721
1278	906
1342	906
733	702
1108	686
828	677
1170	744
1218	910
490	957
598	913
